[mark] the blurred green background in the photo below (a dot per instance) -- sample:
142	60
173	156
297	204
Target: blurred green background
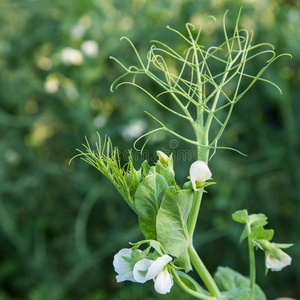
61	224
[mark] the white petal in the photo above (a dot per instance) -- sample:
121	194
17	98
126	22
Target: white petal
277	265
121	266
140	270
127	276
199	171
158	266
163	282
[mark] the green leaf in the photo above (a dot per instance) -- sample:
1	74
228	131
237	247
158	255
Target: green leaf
133	179
257	220
158	248
260	233
148	197
191	283
238	294
171	225
146	169
229	280
240	216
167	172
244	234
148	230
283	246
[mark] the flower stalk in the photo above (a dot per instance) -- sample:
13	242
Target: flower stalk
203	272
197	197
251	259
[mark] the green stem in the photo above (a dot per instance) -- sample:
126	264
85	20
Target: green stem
251	260
188	290
194	213
203	272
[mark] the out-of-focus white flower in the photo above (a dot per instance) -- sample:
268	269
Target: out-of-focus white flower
51	84
123	264
147	269
77	32
199	172
133	130
12	157
90	48
275	264
99	122
71	56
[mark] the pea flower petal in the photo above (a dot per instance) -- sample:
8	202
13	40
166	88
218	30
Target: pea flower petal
140	270
163	282
157	266
199	172
123	265
147	269
277	265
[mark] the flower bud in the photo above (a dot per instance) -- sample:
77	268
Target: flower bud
199	172
163	158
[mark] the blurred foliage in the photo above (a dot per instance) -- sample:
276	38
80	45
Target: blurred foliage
61	224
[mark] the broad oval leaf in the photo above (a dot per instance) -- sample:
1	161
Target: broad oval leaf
230	280
171	225
238	294
147	200
148	229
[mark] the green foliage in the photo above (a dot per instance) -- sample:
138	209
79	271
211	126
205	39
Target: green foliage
154	199
174	211
237	284
148	198
254	226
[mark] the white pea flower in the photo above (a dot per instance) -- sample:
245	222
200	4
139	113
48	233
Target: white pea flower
51	85
199	172
275	264
77	32
147	269
163	282
90	48
140	270
134	129
123	264
71	56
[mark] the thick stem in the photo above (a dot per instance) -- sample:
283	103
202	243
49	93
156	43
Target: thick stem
194	213
203	273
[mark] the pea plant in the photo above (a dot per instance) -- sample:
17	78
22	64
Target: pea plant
204	84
